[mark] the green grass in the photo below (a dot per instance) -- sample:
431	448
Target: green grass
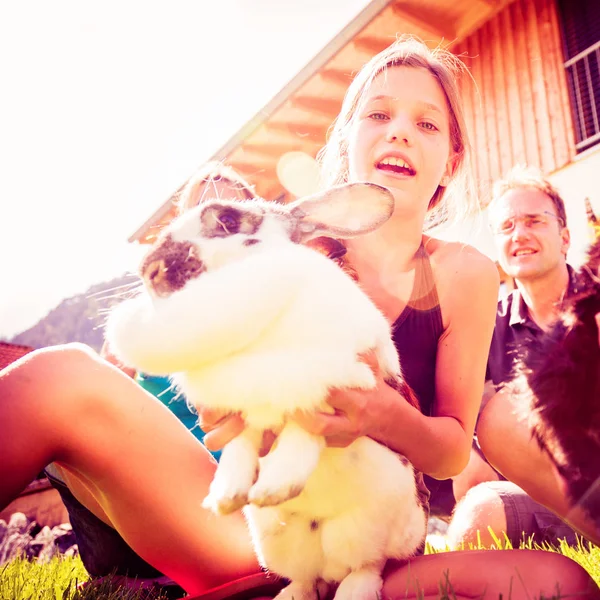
21	579
586	553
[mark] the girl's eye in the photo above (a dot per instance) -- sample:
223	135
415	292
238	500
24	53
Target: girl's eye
428	126
377	116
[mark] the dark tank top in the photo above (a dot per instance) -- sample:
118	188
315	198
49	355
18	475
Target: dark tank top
416	333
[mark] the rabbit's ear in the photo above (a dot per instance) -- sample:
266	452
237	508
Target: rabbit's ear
343	211
329	247
334	250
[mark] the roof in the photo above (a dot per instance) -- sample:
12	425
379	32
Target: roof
299	116
9	353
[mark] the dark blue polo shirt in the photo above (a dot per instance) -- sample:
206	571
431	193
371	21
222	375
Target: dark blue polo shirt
514	328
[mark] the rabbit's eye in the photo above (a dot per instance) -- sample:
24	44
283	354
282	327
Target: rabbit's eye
229	221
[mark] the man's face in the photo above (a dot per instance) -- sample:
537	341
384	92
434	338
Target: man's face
530	237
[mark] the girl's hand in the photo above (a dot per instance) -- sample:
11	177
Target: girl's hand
350	420
356	412
220	427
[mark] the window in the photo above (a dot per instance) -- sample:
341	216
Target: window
581	39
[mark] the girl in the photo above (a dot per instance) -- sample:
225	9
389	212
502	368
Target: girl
400	126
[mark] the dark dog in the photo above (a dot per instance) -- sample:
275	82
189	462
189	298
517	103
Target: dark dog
559	389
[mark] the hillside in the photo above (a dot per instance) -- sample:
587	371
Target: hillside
79	318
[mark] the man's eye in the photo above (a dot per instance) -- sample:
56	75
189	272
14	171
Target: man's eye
537	220
506	226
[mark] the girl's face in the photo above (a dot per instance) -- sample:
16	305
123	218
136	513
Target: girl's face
400	137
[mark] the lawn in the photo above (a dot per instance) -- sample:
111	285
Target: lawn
58	580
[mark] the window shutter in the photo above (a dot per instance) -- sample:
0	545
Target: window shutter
581	38
581	25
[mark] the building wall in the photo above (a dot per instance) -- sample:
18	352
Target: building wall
518	112
576	182
517	104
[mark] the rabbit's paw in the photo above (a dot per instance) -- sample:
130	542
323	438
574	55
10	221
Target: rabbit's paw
364	584
297	591
227	495
285	470
278	481
265	495
223	505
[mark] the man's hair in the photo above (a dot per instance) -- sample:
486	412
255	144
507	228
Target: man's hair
522	176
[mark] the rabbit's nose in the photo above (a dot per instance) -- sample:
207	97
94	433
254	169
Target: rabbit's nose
155	274
169	266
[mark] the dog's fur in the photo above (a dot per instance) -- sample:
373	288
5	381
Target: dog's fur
558	387
248	319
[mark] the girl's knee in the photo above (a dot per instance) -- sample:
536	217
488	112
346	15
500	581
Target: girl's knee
60	359
39	405
57	382
73	352
570	576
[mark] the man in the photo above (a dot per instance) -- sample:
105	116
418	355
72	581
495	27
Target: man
528	219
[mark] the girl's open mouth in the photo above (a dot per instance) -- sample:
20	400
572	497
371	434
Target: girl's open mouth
397	165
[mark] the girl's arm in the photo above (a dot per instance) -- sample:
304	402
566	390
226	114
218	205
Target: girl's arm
438	445
468	289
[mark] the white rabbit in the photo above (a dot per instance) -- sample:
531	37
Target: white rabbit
247	319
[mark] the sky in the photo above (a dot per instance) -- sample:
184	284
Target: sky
107	107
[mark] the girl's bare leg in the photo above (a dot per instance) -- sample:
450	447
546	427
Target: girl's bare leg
141	470
128	458
516	574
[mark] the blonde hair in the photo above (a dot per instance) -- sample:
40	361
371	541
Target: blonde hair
449	204
210	173
522	176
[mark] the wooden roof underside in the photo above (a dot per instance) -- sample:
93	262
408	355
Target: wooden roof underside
299	116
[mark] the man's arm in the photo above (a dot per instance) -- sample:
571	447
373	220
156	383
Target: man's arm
508	445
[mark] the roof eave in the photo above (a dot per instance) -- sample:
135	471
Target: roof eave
346	35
